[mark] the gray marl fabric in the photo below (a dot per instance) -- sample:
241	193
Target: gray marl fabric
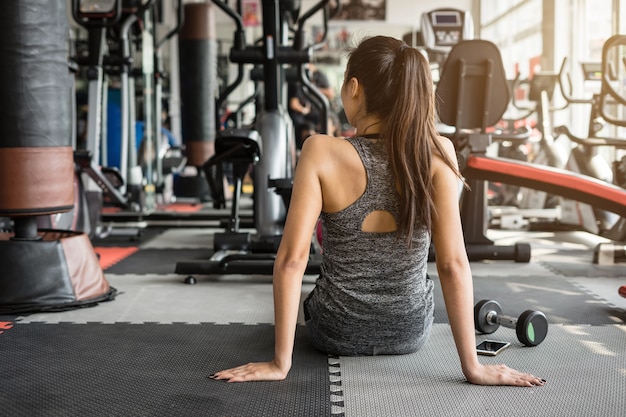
373	296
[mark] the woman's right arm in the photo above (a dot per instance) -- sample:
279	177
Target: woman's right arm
295	246
289	267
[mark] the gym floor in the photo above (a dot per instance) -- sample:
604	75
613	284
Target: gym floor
148	351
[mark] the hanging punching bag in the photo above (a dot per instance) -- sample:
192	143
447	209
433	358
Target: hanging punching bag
198	79
42	269
36	157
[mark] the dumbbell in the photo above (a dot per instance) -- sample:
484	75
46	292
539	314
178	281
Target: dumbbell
531	326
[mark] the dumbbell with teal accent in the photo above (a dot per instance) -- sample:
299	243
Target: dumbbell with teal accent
531	326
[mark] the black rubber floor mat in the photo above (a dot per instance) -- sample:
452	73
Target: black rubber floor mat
131	237
157	261
561	301
152	369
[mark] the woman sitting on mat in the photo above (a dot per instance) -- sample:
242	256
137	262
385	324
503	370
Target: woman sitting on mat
381	194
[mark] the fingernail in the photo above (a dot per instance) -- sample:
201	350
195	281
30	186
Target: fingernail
212	376
543	380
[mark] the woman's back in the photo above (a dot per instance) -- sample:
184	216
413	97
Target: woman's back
373	296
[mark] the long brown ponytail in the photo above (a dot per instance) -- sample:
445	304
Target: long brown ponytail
398	88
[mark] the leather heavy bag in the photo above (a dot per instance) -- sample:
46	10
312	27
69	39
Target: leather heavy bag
41	269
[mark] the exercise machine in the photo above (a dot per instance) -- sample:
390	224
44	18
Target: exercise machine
125	52
472	95
585	156
607	108
123	159
92	157
269	146
523	207
541	92
443	28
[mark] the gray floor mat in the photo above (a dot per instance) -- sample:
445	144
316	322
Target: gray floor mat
166	299
585	378
587	269
560	300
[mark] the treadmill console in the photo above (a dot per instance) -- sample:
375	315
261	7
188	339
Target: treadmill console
441	29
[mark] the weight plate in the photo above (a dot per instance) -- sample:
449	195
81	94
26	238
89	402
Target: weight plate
481	313
532	327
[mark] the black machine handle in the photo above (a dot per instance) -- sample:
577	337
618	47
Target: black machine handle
180	18
311	91
607	93
241	54
322	4
239	44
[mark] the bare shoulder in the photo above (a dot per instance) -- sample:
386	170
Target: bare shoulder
337	166
325	149
447	147
322	143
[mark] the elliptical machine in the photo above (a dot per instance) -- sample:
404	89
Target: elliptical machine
585	156
119	172
112	182
269	145
121	186
607	107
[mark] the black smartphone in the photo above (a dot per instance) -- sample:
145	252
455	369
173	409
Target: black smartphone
491	347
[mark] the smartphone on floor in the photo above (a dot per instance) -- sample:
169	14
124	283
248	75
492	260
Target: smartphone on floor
491	347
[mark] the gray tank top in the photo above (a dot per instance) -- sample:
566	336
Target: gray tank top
373	295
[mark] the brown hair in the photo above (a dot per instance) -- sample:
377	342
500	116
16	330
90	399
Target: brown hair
398	88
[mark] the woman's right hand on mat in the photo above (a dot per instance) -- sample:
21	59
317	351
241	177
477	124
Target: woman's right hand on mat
502	375
255	371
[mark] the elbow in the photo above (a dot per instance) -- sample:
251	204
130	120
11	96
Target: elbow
452	267
290	264
289	267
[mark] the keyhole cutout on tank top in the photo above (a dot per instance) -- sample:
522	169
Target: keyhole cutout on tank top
379	221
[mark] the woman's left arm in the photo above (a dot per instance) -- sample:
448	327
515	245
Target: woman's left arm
456	280
452	263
